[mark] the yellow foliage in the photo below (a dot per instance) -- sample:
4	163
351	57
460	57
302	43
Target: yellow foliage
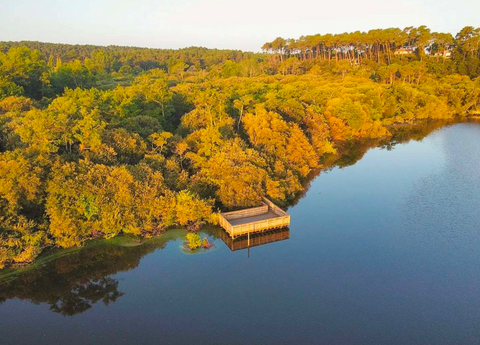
103	162
190	210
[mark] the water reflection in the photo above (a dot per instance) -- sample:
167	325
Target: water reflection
73	281
430	209
255	240
76	280
350	152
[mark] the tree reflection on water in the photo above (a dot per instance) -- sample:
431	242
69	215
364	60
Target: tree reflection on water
76	280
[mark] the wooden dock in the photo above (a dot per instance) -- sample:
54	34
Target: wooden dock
253	220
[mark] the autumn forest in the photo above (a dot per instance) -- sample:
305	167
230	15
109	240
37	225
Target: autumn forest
97	141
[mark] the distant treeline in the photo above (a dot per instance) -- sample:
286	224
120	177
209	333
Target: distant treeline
46	69
112	58
385	46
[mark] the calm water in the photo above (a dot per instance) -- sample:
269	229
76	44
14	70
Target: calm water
385	251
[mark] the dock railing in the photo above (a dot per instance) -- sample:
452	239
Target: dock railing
281	220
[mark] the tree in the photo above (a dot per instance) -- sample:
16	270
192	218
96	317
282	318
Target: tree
191	211
8	88
178	69
153	88
269	133
71	75
230	69
24	67
194	241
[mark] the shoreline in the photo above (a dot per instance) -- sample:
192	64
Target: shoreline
349	152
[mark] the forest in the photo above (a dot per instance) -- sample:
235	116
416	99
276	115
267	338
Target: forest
98	141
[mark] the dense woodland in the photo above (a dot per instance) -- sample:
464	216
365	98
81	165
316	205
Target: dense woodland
97	141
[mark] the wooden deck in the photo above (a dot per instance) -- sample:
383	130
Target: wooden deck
254	220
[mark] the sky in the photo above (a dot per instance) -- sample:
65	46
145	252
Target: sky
225	24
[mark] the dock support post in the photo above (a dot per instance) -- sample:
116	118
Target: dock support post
248	239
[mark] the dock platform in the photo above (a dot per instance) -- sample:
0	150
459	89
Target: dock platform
253	220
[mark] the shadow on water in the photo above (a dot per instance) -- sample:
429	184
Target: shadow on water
72	281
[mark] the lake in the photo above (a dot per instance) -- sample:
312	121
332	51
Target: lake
384	251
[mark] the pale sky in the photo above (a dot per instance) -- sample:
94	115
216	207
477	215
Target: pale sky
232	24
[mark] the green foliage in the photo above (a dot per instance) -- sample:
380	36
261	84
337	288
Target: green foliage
191	211
71	75
194	241
9	88
88	200
20	241
230	69
25	68
98	141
